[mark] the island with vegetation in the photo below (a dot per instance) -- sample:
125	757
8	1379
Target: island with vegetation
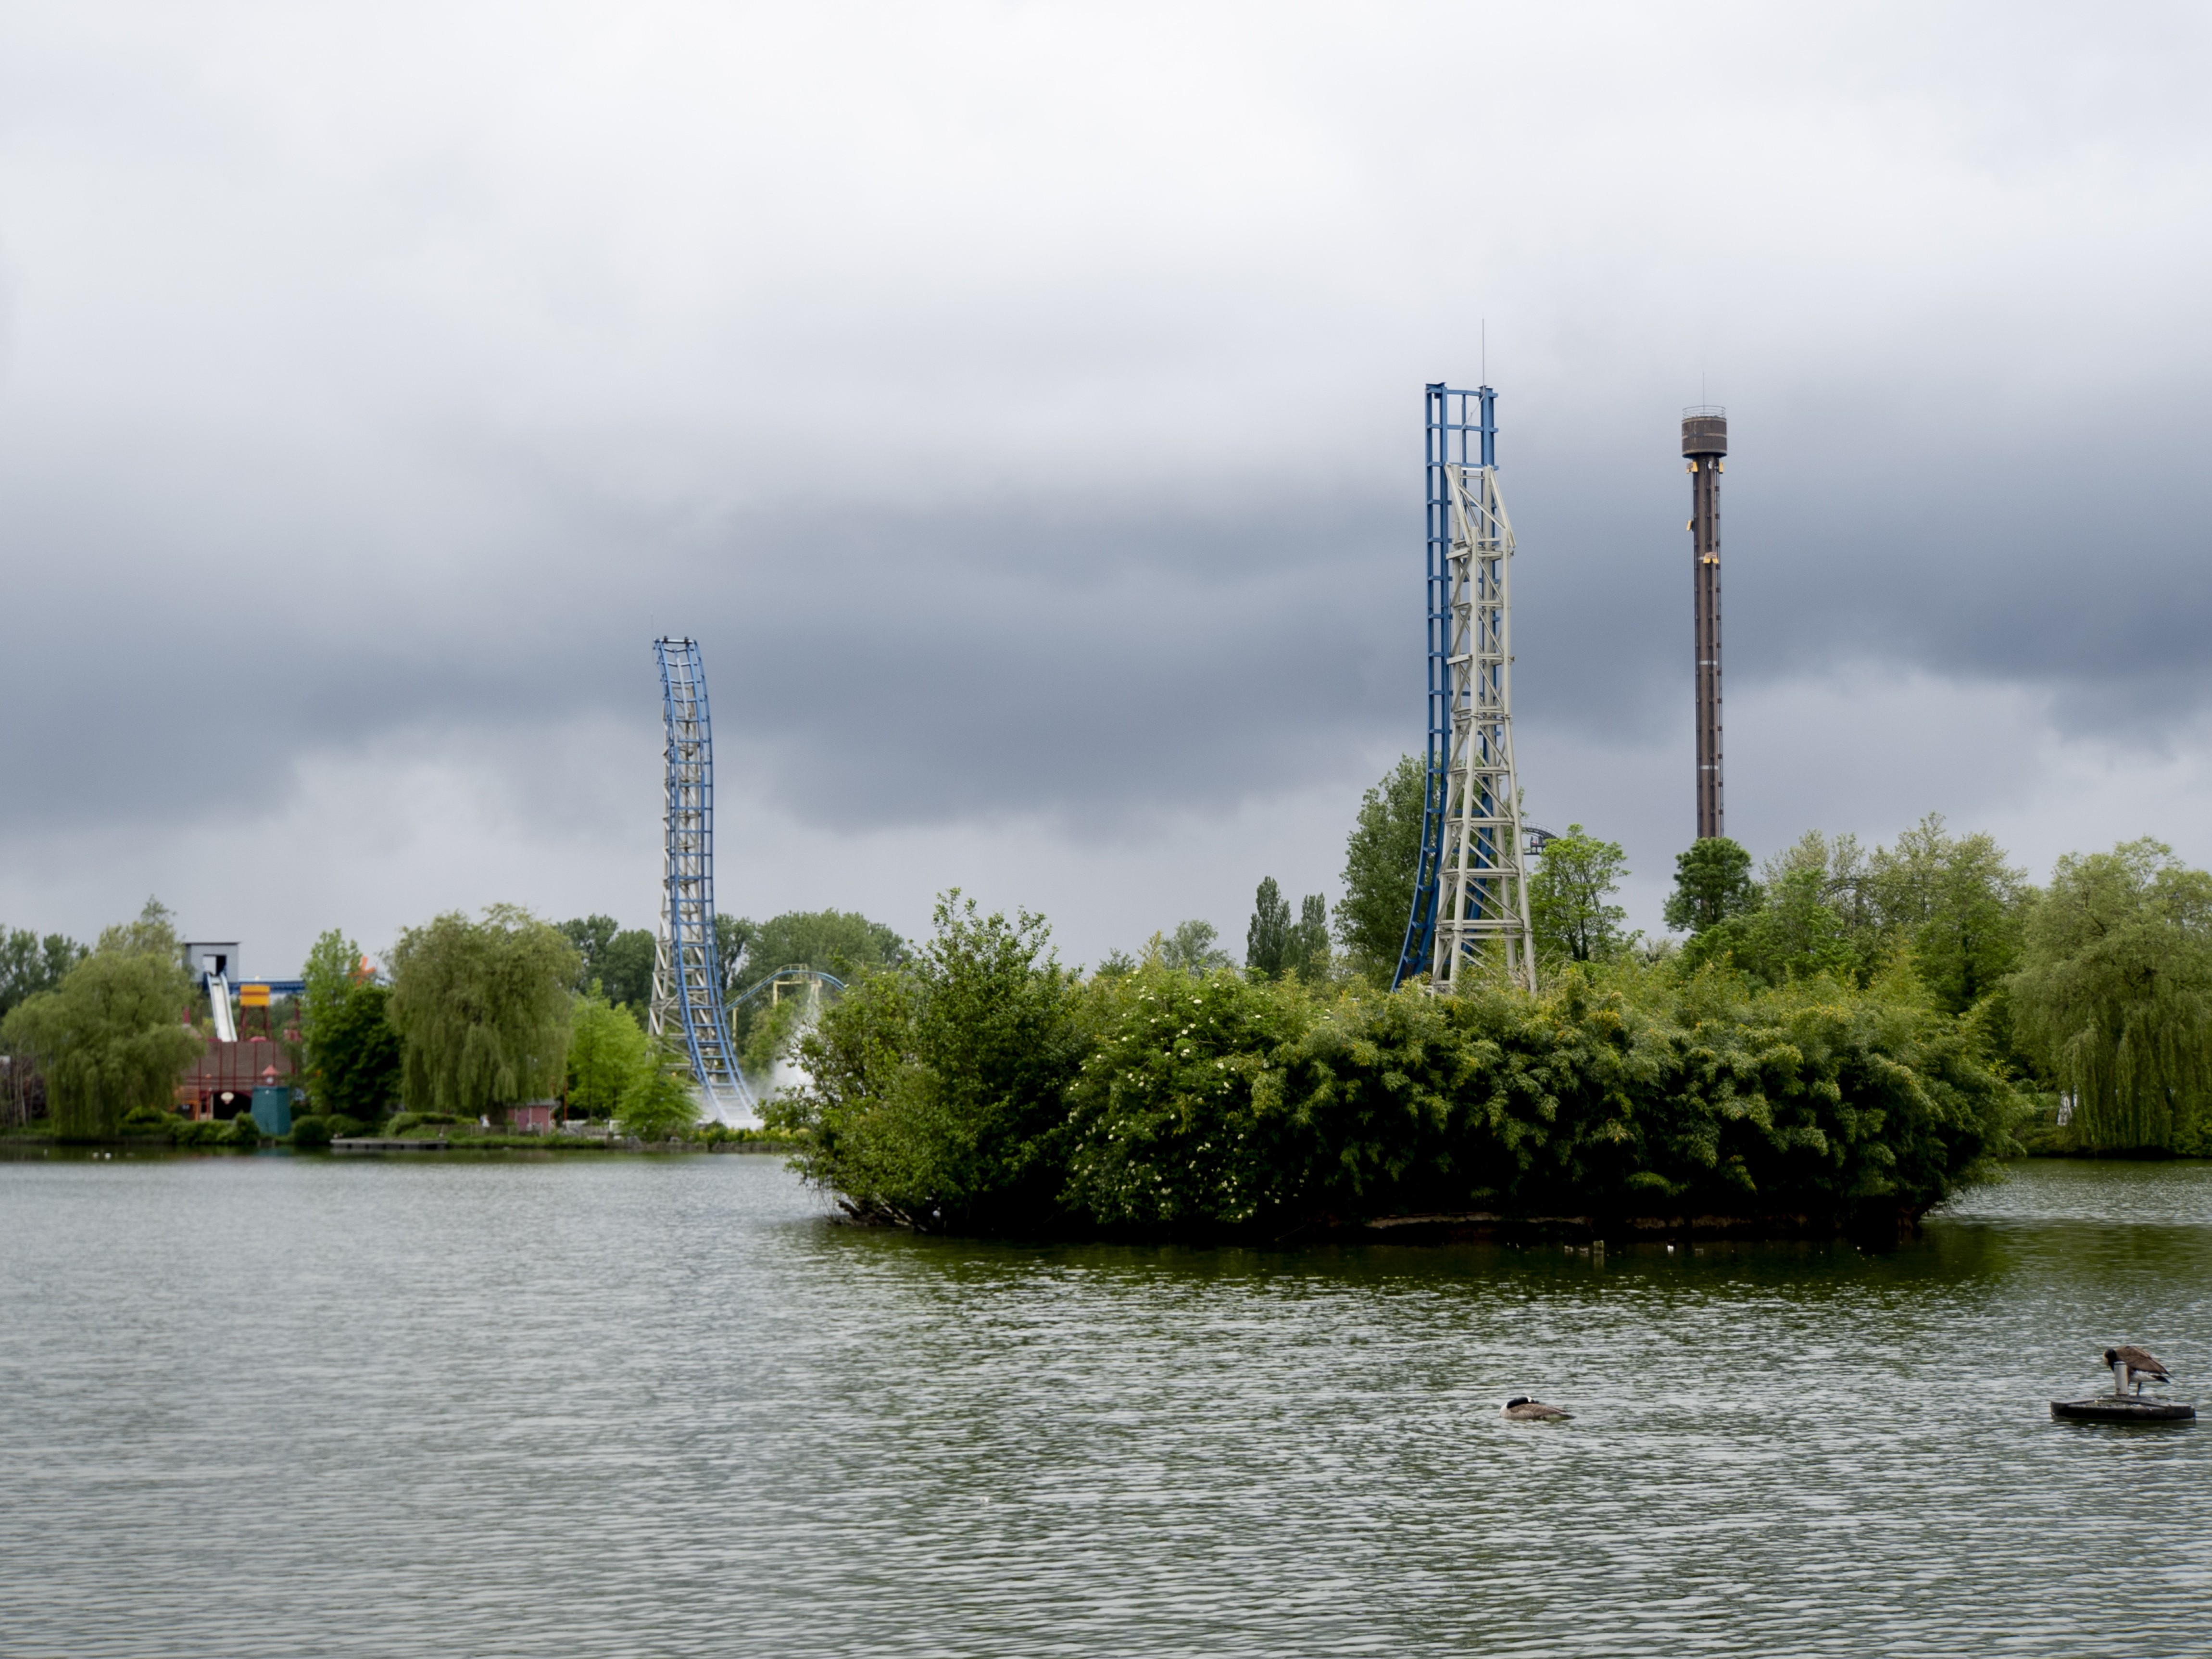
1845	1039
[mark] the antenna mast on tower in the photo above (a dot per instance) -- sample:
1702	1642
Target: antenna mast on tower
1471	890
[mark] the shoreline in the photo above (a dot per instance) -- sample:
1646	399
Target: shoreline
13	1145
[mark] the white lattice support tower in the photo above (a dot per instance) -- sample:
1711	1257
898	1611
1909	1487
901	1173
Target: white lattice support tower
687	991
1482	899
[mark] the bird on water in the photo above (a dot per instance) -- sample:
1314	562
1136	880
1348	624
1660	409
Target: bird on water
2140	1364
1521	1409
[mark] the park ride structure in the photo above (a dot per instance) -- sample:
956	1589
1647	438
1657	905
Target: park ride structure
687	978
797	980
1471	888
1704	443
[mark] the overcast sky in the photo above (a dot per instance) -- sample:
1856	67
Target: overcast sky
1021	404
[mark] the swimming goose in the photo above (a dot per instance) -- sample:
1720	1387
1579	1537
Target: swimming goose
1521	1409
2139	1365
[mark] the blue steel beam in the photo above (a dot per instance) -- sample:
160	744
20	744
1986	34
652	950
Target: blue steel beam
1452	438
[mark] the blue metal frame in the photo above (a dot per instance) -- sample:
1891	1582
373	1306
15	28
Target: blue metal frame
688	866
1452	438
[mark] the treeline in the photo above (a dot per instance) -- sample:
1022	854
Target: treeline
477	1014
468	1017
2093	994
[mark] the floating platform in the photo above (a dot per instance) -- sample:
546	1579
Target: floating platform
2121	1408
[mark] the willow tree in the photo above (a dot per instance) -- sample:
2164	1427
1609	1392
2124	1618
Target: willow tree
111	1037
482	1009
2114	991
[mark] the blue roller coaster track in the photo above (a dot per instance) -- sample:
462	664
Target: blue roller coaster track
687	991
1452	439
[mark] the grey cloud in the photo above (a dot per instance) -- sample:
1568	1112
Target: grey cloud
1050	444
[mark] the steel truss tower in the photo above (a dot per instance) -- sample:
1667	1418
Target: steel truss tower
1471	892
1705	440
687	979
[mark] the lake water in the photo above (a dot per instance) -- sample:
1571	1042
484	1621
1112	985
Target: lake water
284	1406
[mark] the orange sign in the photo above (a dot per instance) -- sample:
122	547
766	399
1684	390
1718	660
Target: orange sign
253	996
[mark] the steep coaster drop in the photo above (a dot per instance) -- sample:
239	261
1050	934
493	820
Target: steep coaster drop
687	977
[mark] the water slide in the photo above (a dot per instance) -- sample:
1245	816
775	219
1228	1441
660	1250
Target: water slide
226	1027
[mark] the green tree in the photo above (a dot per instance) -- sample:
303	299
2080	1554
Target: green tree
483	1010
1191	949
591	935
355	1056
1267	939
620	959
350	1052
839	942
1382	866
1956	902
1307	953
936	1084
1570	897
660	1100
608	1052
333	963
2113	994
29	965
1712	881
1793	932
109	1038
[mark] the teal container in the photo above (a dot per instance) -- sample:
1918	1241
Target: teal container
272	1109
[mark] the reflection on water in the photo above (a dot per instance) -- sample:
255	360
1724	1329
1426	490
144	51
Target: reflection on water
276	1406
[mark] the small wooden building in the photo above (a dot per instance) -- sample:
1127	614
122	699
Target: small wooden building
530	1117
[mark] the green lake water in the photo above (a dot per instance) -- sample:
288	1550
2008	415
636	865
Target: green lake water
287	1405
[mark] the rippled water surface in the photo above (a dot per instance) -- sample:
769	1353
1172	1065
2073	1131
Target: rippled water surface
289	1405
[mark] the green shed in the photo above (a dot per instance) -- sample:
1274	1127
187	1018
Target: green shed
272	1109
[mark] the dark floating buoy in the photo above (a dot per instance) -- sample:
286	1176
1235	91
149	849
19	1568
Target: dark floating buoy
2131	1365
2106	1409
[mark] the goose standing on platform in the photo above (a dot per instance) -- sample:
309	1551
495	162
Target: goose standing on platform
2132	1364
1521	1409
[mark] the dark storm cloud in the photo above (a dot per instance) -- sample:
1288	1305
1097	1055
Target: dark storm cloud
1023	408
867	663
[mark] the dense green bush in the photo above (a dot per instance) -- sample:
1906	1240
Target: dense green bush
311	1135
659	1103
938	1085
981	1088
403	1121
148	1122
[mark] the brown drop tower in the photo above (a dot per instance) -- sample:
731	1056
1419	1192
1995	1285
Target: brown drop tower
1705	440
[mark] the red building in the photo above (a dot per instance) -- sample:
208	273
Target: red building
222	1081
